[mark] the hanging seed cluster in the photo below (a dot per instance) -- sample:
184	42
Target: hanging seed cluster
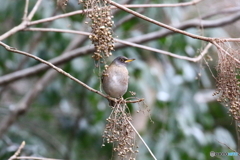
119	132
227	83
101	25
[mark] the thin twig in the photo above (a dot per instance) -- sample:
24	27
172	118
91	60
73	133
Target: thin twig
227	146
222	11
139	39
18	151
194	2
24	23
142	140
34	10
187	24
113	7
208	39
56	17
25	10
36	158
196	59
224	51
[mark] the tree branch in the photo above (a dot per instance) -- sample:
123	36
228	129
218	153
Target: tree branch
224	51
34	10
18	151
59	70
30	96
120	41
113	7
223	11
194	2
24	23
35	158
25	10
140	39
208	39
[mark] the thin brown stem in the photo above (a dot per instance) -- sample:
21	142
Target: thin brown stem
18	151
25	10
224	51
24	23
194	2
196	59
208	39
34	10
35	158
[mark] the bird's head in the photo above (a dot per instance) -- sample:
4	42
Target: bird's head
121	60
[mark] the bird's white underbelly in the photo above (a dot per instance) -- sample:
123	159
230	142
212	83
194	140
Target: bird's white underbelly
118	85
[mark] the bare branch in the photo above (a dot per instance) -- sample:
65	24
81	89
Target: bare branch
128	6
59	70
41	67
58	30
52	66
56	17
224	51
34	10
121	41
21	26
140	39
24	23
159	23
223	11
25	10
227	146
196	59
35	158
18	151
24	104
187	24
194	2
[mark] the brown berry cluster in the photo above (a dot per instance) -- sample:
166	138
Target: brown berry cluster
119	132
227	83
99	12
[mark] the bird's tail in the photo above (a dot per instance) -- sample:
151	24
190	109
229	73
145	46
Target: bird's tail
112	103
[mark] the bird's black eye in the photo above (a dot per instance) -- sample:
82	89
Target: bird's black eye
122	59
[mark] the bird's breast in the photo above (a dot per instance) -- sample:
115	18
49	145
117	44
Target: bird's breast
115	83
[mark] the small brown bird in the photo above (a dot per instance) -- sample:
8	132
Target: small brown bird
115	78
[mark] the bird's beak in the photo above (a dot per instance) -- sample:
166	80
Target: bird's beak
129	60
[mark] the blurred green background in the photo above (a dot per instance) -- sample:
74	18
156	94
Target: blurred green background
66	121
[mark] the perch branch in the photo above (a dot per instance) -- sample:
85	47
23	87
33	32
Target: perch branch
60	71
